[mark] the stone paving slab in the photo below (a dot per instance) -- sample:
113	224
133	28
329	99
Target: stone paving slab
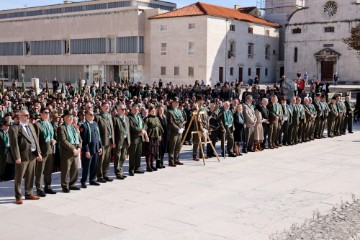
248	198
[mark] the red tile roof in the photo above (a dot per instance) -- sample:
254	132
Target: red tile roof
246	9
201	9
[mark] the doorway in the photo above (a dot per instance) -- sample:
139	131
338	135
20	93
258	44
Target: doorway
240	74
221	74
327	70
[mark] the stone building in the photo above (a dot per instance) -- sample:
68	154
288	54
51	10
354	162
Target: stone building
212	43
314	41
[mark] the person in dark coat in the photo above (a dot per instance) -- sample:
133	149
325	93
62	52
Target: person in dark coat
239	128
91	149
163	148
7	170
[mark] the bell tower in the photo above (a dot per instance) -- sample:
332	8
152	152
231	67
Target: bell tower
279	11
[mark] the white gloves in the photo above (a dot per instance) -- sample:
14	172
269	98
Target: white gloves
181	130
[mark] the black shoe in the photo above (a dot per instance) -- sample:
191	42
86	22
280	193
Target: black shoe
108	179
101	180
131	174
148	169
40	193
83	185
50	191
154	168
138	172
172	165
351	132
94	184
65	190
120	177
232	155
179	163
74	188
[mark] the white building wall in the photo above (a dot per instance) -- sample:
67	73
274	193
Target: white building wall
212	45
219	45
177	36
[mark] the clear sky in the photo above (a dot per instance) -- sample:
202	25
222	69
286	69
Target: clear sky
11	4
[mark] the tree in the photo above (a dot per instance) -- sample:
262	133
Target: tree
354	40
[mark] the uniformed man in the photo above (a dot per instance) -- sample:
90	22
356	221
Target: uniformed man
4	149
274	117
250	121
45	134
122	140
319	116
25	151
226	120
70	147
137	135
349	115
325	106
302	121
284	133
266	122
213	129
176	123
91	149
310	115
333	114
295	121
106	128
339	126
202	126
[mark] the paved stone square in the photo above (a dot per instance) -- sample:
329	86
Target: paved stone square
245	198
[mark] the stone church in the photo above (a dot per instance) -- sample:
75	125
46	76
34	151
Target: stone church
314	33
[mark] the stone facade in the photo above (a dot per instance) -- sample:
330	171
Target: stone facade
314	41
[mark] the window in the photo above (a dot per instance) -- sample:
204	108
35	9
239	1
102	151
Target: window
274	52
232	51
267	32
27	48
329	29
295	54
132	44
163	48
176	71
163	71
250	50
267	52
111	45
191	72
231	71
296	31
163	28
12	49
47	47
232	27
88	46
328	45
66	46
191	48
251	30
249	72
191	26
266	72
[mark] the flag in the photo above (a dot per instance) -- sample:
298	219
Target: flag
23	87
63	88
47	86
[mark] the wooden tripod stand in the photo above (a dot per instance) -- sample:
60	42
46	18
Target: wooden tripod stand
195	117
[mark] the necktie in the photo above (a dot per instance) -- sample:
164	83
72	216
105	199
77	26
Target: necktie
32	140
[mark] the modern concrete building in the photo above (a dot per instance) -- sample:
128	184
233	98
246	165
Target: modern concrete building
83	40
212	43
314	41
